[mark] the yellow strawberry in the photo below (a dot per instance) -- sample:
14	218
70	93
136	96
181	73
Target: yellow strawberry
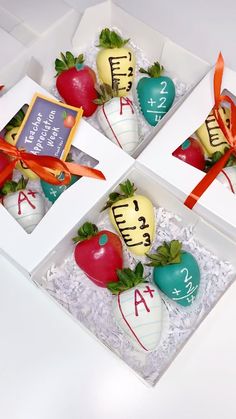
115	62
211	136
133	217
11	137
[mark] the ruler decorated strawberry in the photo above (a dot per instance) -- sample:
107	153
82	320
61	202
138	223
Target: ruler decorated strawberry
76	82
115	61
133	217
117	118
137	308
191	152
211	135
156	93
25	205
176	272
98	254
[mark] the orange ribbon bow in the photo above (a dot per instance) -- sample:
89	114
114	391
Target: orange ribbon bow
46	167
229	133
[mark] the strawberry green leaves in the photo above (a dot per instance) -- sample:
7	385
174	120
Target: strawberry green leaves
85	232
166	254
67	61
128	278
11	186
154	71
127	188
111	39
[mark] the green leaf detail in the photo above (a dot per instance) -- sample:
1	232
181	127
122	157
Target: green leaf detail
16	121
64	115
166	254
217	156
127	188
154	70
106	93
85	232
10	186
111	39
67	61
128	279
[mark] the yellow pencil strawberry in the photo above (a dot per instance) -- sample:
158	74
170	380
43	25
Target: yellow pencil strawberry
115	61
133	217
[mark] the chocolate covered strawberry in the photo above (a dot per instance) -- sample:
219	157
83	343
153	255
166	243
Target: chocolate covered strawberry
98	254
75	82
176	272
117	118
156	93
115	61
137	308
25	205
133	217
191	152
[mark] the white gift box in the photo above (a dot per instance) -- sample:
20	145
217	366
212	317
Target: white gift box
38	59
28	250
218	204
151	186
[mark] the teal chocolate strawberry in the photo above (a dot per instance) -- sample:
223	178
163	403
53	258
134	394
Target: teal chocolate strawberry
156	93
176	272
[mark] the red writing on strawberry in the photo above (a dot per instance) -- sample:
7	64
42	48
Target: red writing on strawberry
139	299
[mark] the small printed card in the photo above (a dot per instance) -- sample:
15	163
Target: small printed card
48	127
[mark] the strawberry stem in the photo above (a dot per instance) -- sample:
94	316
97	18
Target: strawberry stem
68	61
10	186
166	254
154	70
128	278
85	232
127	188
111	39
106	93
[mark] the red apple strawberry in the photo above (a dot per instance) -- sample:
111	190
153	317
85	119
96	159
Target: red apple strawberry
98	254
75	82
191	152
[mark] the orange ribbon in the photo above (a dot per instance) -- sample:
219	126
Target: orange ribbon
229	133
45	167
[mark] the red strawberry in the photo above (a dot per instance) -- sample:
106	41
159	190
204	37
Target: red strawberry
75	82
191	152
98	254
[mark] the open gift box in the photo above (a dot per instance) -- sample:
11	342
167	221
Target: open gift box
148	44
217	204
28	250
91	305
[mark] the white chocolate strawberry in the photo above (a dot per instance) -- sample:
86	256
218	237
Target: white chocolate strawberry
25	205
118	119
227	176
138	310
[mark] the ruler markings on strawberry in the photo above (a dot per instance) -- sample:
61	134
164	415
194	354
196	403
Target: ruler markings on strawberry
133	217
115	61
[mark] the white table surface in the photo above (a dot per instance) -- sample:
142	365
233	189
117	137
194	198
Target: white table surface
50	370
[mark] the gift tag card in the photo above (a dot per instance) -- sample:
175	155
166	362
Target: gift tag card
48	127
